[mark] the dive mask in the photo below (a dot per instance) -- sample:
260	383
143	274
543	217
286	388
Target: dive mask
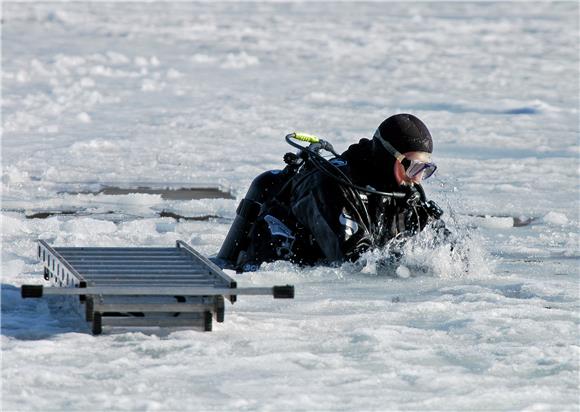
413	168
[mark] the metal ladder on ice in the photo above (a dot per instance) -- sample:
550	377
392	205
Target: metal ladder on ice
142	286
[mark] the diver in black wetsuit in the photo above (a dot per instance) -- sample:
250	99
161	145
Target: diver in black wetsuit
319	211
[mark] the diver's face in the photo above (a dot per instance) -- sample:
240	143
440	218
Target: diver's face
399	171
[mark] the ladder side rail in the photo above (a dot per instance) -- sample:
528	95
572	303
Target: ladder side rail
44	249
212	266
214	269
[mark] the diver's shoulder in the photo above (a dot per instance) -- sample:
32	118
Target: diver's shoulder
363	145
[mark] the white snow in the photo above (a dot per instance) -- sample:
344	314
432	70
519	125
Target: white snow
179	94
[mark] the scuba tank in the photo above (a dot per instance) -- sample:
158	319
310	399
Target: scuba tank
263	188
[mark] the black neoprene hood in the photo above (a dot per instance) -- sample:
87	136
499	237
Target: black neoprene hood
406	133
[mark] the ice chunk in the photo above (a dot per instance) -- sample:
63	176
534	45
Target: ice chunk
403	272
141	61
12	226
202	58
173	74
495	222
84	117
555	218
239	61
88	226
94	145
150	85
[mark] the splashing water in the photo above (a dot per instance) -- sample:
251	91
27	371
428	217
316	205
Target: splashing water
428	254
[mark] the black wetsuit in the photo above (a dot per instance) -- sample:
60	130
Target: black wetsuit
316	219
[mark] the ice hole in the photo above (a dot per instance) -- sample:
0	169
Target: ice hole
179	194
191	193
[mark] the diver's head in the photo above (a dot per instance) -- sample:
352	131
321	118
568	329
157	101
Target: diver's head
405	142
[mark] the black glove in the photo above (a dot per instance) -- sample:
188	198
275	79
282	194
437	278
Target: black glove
420	211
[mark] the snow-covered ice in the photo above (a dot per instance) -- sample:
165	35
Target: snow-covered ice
178	94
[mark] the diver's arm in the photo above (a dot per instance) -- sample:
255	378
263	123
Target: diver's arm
320	205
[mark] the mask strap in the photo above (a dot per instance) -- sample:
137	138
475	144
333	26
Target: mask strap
389	148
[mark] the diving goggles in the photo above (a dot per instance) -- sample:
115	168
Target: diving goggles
413	168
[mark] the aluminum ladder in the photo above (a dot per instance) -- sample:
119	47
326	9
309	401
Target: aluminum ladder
142	286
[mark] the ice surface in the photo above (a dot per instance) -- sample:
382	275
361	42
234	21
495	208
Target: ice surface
555	218
178	94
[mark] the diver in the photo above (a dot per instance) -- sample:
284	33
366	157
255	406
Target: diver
328	211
